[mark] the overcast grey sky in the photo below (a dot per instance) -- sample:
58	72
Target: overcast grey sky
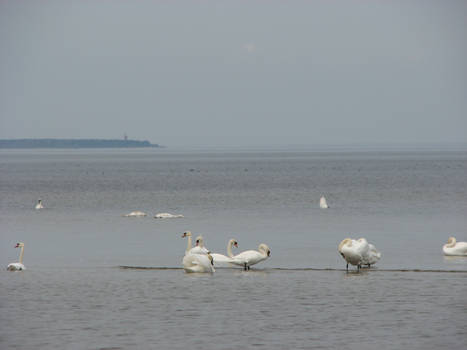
235	73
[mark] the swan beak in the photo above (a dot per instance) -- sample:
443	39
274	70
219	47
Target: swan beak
17	245
269	253
197	242
236	245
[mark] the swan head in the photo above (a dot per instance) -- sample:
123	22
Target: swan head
39	200
265	249
346	241
199	241
234	243
19	245
186	234
451	242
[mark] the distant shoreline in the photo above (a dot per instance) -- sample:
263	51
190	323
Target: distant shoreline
74	143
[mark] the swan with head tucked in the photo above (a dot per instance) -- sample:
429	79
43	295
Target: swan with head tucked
220	258
18	266
135	214
370	255
167	216
39	204
196	261
322	203
251	257
455	248
353	251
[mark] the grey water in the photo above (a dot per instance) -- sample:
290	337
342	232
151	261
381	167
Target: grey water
75	295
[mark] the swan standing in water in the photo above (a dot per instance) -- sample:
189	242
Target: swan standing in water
220	258
322	203
353	251
39	204
135	214
18	266
251	257
196	262
370	255
455	248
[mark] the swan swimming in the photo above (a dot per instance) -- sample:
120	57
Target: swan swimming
220	258
167	216
18	266
251	257
135	214
196	262
39	204
455	248
370	255
352	251
322	203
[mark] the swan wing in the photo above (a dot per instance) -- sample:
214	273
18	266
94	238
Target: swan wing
199	250
16	267
197	263
249	257
460	249
220	258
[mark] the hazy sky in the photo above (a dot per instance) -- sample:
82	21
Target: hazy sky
225	73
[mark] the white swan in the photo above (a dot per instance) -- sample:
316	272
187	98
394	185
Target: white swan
252	257
455	248
352	251
196	262
135	214
370	255
167	216
322	203
18	266
220	258
39	204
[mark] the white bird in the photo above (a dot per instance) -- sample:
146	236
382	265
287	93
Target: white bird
167	216
135	214
352	251
39	204
322	203
370	255
251	257
199	247
18	266
455	248
196	262
220	258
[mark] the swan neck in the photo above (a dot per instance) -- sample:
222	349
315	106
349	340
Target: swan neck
21	254
229	249
188	245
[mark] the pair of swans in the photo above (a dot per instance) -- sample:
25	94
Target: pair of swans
358	252
18	266
244	259
454	248
198	258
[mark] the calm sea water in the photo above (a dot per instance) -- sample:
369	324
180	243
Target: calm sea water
73	294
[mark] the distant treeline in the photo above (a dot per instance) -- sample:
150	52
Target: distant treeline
74	143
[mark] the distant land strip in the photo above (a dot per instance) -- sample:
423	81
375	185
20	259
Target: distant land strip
75	143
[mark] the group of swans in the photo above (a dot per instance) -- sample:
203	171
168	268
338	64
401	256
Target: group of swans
358	252
200	259
18	266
